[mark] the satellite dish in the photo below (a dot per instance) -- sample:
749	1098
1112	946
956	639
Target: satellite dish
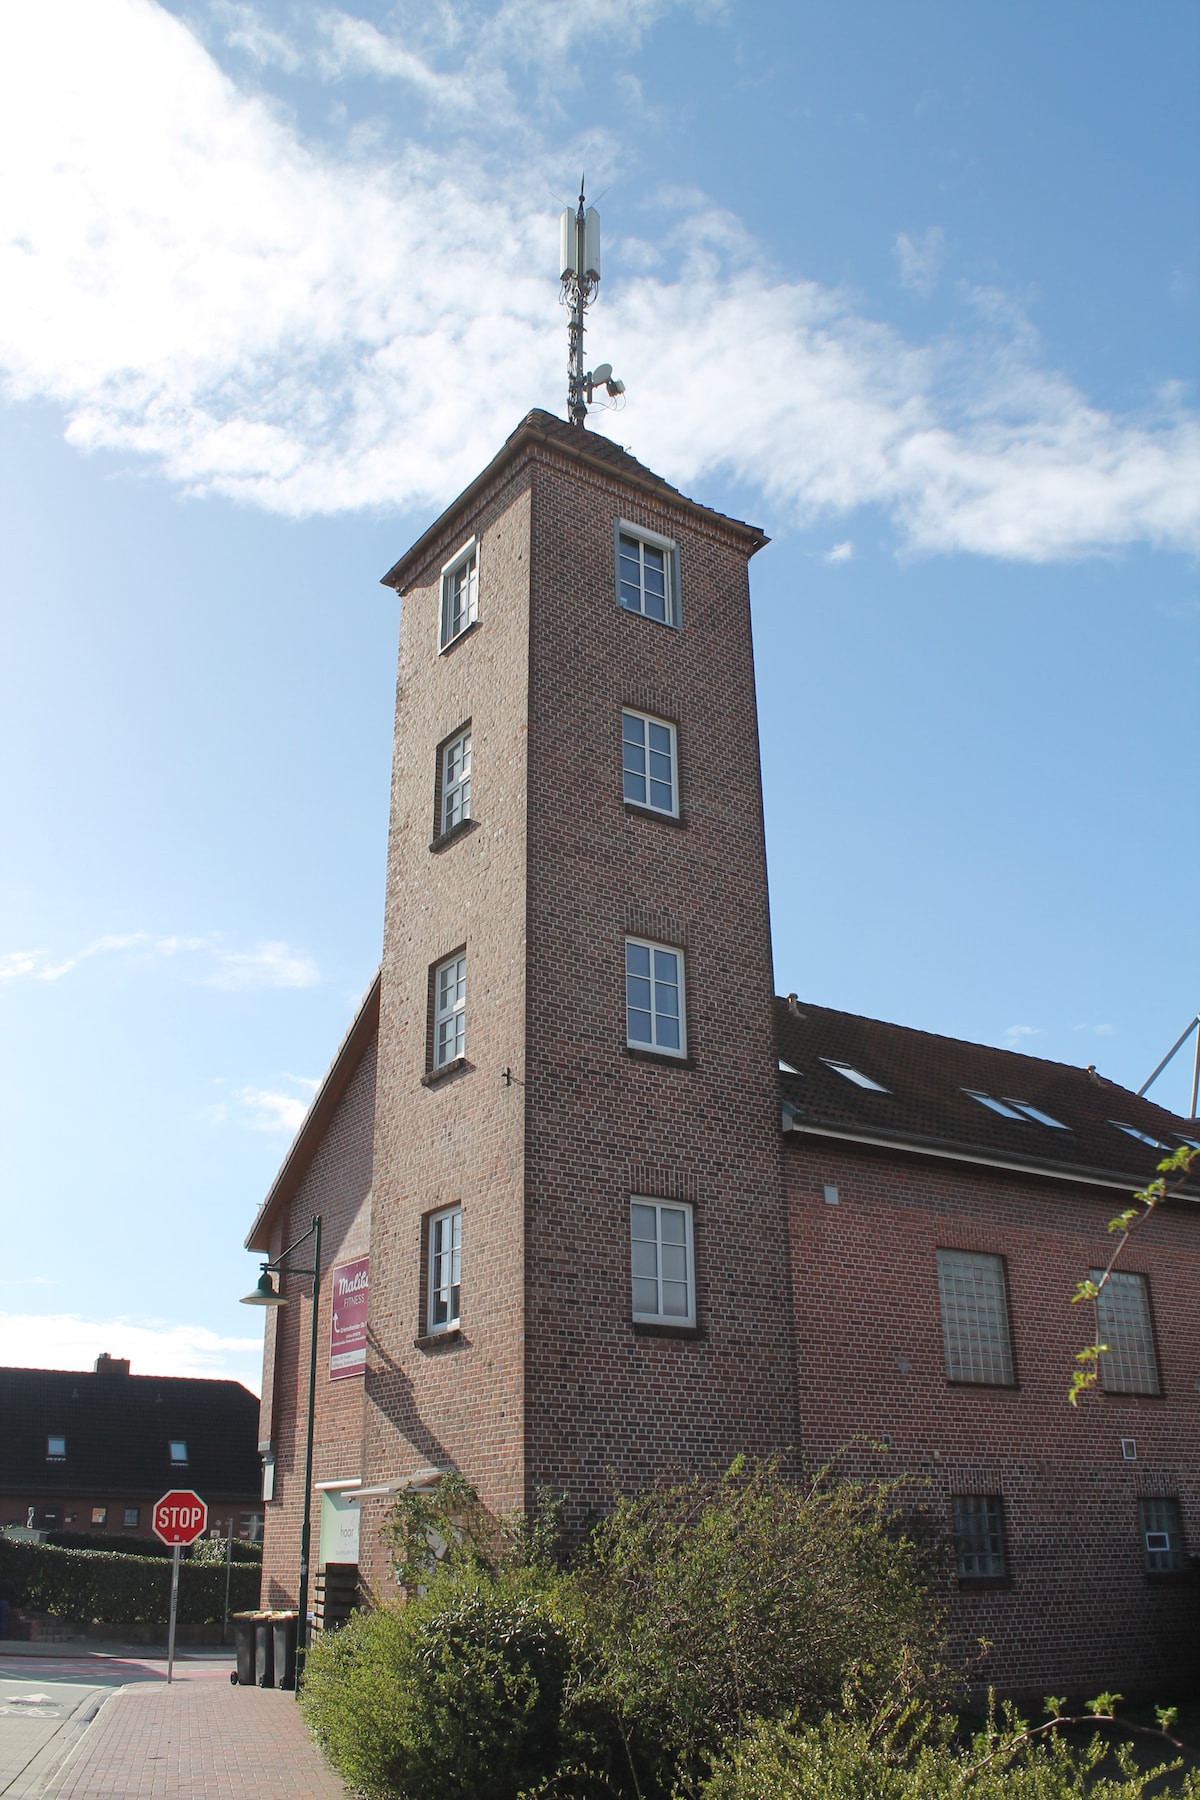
602	374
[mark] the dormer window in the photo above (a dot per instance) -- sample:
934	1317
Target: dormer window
855	1075
1015	1109
178	1449
56	1449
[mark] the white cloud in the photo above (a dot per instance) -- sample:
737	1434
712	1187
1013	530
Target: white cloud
920	260
154	1347
843	552
1016	1035
308	331
266	1109
264	965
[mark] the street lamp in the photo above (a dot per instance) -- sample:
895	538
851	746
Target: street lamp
267	1294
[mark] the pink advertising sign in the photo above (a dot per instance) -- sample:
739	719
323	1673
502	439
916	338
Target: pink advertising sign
348	1319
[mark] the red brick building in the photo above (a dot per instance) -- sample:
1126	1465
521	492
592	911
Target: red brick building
618	1213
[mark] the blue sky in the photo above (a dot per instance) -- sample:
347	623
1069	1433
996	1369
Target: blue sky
913	286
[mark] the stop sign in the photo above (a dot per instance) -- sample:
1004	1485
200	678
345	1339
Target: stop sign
179	1517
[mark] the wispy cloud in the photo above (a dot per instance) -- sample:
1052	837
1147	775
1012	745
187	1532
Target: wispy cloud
1016	1035
304	329
920	260
209	961
840	553
284	1110
154	1347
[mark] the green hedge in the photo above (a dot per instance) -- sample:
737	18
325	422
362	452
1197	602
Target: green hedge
147	1546
105	1586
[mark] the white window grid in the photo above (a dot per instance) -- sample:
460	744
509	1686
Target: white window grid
650	762
460	593
445	1269
455	782
979	1544
654	999
975	1317
449	1010
1162	1535
1129	1365
647	573
662	1262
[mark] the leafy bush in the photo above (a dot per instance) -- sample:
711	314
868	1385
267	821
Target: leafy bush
106	1586
918	1759
457	1694
201	1551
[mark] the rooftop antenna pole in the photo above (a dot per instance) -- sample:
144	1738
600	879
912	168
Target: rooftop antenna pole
579	262
1180	1041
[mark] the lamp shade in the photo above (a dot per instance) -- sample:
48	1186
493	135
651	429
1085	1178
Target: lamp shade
265	1294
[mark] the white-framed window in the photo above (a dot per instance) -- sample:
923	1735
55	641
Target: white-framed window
662	1262
975	1317
450	1010
178	1449
654	1008
650	763
454	779
445	1269
1162	1535
460	593
1129	1365
647	573
980	1552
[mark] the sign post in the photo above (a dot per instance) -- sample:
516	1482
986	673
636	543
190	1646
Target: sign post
179	1518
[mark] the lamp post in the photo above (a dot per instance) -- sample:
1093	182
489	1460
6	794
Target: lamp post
267	1294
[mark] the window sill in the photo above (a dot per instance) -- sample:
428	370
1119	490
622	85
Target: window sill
654	812
632	612
692	1333
1133	1393
984	1584
439	1340
431	1077
444	649
663	1057
445	838
997	1387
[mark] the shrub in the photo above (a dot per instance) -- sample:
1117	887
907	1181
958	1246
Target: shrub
457	1695
858	1760
106	1586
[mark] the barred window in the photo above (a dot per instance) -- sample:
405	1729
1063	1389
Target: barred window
975	1317
1129	1365
979	1544
1162	1536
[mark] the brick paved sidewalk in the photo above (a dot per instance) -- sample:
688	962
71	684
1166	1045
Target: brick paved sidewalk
202	1740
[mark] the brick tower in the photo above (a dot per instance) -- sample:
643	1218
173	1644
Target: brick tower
579	1264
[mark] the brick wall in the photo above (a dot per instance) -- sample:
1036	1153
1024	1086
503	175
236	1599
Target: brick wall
1080	1614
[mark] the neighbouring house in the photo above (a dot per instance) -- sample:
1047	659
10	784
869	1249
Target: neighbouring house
596	1206
92	1451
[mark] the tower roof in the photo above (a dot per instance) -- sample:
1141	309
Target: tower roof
588	447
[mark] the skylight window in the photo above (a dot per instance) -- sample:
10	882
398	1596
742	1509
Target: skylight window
56	1449
1143	1137
178	1448
1193	1143
855	1075
791	1069
1035	1112
1003	1107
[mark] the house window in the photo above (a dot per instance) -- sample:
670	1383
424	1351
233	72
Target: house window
445	1269
99	1515
132	1518
1129	1365
1162	1536
454	782
647	574
449	1011
650	763
56	1449
250	1527
975	1317
979	1547
178	1450
662	1266
654	1018
460	593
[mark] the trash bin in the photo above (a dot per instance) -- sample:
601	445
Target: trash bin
284	1626
243	1638
264	1651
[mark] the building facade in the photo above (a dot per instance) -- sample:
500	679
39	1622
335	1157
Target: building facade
574	1165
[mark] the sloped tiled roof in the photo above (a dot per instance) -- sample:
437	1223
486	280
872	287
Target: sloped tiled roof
117	1430
587	447
926	1103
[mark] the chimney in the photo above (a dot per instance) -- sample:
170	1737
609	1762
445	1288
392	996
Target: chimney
111	1365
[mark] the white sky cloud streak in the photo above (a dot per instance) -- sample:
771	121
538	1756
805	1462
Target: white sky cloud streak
265	965
306	331
72	1341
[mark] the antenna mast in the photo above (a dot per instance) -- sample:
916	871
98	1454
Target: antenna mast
579	261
